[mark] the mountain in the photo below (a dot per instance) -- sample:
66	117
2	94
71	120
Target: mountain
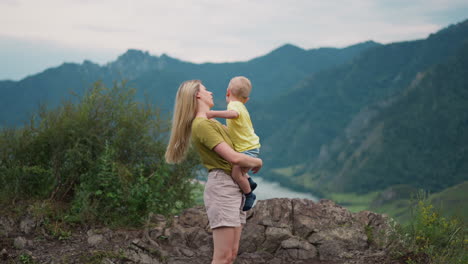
158	77
418	138
302	124
357	119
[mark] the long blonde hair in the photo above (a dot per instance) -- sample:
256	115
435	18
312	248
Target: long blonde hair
185	110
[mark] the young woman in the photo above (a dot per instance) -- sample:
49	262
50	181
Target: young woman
222	197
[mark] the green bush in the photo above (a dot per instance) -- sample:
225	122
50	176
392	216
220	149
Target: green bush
432	238
103	155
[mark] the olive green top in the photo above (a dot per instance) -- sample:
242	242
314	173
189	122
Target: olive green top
207	134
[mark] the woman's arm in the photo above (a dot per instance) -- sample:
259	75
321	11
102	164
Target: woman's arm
228	114
236	158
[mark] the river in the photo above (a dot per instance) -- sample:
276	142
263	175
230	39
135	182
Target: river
268	190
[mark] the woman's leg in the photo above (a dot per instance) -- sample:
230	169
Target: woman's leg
237	234
226	244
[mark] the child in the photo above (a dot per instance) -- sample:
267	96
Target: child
241	132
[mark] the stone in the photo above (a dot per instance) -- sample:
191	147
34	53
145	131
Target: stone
197	236
297	248
310	216
253	235
273	238
273	212
20	243
336	242
27	225
4	254
6	226
278	231
187	252
194	217
94	240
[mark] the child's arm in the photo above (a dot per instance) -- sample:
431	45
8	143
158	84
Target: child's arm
228	114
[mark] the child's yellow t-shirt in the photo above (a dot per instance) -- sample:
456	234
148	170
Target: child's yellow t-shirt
241	129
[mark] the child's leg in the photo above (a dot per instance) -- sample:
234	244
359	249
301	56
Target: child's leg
253	153
244	184
238	176
252	183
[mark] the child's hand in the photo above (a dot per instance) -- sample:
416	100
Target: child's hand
256	169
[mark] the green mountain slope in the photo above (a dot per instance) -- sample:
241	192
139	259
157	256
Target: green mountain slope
303	121
418	138
157	78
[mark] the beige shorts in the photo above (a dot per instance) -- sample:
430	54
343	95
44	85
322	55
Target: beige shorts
223	200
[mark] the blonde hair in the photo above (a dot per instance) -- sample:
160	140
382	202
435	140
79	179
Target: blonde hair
240	87
185	110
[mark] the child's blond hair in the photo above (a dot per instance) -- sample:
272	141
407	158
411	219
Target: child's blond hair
240	87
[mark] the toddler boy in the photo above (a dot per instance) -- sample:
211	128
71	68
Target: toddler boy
241	132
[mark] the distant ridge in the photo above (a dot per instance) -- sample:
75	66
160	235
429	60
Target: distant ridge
159	76
306	105
318	115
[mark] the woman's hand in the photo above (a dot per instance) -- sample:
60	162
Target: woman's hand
236	158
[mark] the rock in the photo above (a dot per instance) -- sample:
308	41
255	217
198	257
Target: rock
185	260
335	243
4	254
176	235
252	237
310	217
274	237
296	248
94	240
197	236
138	255
107	261
159	220
256	258
194	217
6	226
187	252
20	243
273	212
27	225
278	231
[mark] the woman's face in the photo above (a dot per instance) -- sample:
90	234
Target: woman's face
205	96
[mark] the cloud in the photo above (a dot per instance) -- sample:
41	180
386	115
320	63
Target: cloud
228	30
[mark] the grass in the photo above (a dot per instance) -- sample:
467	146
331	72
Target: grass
398	210
450	202
289	171
352	201
453	201
432	237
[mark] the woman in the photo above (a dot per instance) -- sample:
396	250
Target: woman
222	197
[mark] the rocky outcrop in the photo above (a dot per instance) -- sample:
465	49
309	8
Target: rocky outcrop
277	231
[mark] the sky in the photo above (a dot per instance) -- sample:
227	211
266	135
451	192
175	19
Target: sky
36	35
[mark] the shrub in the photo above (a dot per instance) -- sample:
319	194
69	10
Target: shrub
103	155
433	238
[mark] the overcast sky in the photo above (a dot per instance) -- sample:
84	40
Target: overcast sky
38	34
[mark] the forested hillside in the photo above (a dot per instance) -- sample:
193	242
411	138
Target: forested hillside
297	124
157	78
361	118
318	119
418	138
